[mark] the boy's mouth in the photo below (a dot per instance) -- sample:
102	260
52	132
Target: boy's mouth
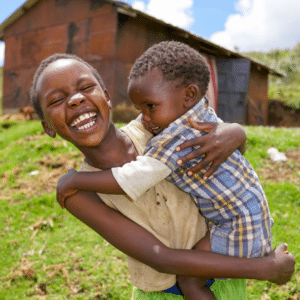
156	130
84	121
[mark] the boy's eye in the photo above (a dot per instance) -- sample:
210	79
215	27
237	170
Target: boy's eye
149	105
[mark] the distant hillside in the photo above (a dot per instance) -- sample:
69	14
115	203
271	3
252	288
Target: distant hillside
288	62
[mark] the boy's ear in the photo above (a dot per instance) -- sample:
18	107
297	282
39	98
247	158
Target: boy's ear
192	93
48	129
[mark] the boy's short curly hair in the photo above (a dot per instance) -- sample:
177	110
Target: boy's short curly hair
176	61
34	97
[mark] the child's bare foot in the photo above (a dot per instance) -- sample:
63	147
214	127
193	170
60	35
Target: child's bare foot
282	265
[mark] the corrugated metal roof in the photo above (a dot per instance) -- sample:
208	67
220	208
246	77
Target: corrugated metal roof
124	8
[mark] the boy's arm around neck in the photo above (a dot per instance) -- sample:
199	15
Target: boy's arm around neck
100	182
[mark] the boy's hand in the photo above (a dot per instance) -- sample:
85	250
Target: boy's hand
221	141
64	187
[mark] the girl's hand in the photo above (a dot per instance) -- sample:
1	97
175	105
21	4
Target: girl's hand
282	265
221	140
64	187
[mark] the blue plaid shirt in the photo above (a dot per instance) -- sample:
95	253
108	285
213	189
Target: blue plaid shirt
232	199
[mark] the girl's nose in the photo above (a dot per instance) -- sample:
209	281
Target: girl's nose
76	100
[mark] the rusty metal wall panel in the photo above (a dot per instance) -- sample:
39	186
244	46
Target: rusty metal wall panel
106	68
131	41
15	94
52	26
134	36
257	113
102	44
54	40
233	83
12	53
48	13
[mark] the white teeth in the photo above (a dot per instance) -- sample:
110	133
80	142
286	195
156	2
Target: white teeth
82	118
154	128
88	125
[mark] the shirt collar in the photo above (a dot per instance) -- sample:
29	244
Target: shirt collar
194	112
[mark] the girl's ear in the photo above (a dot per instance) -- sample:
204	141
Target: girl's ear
48	129
192	93
108	98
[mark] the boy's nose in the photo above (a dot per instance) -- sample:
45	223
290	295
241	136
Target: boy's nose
76	99
146	118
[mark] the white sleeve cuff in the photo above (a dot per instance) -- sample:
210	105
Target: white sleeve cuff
136	177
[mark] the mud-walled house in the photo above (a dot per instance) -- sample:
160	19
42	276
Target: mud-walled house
111	35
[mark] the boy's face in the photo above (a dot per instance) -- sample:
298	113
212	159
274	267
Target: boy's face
73	103
160	101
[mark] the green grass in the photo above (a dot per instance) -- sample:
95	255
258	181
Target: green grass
64	259
1	88
86	266
289	93
260	139
284	202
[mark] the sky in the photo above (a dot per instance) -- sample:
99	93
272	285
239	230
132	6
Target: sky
243	25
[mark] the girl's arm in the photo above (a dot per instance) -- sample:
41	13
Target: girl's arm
221	140
126	236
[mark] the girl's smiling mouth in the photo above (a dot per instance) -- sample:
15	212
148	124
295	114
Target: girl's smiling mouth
84	121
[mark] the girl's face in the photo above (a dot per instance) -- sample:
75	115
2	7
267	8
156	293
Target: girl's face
73	103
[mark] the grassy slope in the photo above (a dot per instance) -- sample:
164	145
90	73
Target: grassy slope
284	204
1	88
75	262
70	261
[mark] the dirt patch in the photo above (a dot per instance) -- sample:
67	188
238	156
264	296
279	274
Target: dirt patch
22	114
42	181
23	269
283	171
281	115
12	117
52	168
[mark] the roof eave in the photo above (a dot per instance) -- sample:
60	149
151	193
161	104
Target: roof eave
186	34
128	10
16	15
